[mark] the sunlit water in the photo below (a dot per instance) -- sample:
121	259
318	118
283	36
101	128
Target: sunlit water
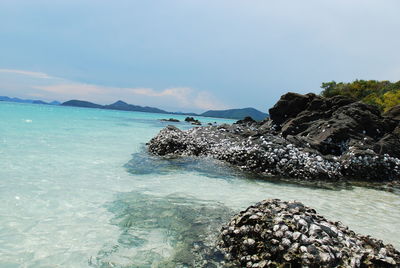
77	189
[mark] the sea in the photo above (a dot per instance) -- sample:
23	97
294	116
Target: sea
78	189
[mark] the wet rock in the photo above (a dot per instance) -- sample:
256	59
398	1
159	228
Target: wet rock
270	154
170	120
192	121
317	246
308	138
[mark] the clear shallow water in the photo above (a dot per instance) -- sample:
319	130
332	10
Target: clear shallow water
78	190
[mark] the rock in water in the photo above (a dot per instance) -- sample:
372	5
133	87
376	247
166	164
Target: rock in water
170	120
274	233
254	149
308	137
192	121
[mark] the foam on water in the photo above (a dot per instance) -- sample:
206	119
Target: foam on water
78	190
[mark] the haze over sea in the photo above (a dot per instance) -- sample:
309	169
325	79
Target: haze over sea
77	189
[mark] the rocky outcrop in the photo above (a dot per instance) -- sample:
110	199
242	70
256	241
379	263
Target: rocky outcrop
307	137
246	121
192	121
331	125
170	120
393	113
275	233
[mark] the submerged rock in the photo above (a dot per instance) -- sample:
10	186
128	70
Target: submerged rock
275	233
308	137
163	231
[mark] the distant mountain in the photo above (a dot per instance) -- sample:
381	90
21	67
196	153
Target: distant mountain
5	98
79	103
39	102
123	106
236	113
183	113
119	105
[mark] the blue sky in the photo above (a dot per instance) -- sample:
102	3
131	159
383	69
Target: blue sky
193	55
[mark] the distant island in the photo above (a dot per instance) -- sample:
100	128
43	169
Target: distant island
5	98
236	113
123	106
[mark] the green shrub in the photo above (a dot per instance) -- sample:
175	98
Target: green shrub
383	94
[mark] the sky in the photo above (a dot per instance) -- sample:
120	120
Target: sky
193	55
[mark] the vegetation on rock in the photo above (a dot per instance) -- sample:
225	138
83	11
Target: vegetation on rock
383	94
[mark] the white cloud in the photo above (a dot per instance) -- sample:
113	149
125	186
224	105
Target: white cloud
205	100
48	87
181	94
73	89
187	97
26	73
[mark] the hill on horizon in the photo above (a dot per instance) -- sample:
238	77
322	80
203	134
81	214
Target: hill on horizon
123	106
236	113
5	98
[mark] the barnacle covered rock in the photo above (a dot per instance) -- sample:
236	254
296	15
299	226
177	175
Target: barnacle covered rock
274	233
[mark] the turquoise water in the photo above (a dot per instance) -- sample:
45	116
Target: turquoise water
77	189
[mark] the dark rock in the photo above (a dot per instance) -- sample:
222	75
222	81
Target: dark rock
330	125
170	120
393	113
253	148
192	121
275	233
245	121
288	106
327	139
389	144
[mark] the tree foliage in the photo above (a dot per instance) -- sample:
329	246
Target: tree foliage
383	94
